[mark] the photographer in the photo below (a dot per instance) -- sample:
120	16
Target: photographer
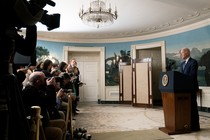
65	87
73	70
41	92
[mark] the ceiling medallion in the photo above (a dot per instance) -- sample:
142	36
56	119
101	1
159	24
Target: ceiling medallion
97	15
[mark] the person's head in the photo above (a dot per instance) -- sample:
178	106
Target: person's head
54	66
73	62
69	68
65	78
47	65
185	53
37	78
62	66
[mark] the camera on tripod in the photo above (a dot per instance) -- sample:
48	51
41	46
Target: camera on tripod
81	133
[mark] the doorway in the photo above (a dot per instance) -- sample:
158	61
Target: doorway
156	51
90	61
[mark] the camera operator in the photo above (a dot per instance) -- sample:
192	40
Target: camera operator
17	14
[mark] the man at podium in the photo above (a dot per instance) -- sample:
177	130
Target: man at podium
190	67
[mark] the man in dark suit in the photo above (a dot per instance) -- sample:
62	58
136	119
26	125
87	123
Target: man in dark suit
190	67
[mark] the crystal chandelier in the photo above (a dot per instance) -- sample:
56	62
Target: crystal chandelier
97	15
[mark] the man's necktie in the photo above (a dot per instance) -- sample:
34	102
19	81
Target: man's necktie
184	64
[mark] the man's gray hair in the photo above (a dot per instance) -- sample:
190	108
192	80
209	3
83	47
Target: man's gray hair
35	76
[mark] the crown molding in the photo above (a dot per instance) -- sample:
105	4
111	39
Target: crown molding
63	37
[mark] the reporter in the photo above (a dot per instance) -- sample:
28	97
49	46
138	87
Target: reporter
41	92
73	70
47	65
66	87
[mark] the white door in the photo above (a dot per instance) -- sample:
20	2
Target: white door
90	90
88	64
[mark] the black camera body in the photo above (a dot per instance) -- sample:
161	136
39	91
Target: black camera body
35	9
17	14
58	79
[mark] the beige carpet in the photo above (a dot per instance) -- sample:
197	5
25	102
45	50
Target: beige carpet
150	134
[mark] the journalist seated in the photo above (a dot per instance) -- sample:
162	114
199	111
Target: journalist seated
41	92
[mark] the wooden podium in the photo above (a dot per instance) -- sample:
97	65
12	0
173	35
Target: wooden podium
176	90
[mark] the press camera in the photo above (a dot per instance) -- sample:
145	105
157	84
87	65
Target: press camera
36	9
18	14
51	21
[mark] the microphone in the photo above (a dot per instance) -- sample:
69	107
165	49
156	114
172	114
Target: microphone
169	66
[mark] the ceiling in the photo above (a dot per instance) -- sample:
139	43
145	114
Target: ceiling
136	18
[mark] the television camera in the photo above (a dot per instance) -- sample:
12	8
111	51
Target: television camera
18	14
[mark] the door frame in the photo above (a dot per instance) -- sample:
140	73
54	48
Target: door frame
101	70
160	44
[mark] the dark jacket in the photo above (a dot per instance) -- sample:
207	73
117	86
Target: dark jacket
191	69
46	99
